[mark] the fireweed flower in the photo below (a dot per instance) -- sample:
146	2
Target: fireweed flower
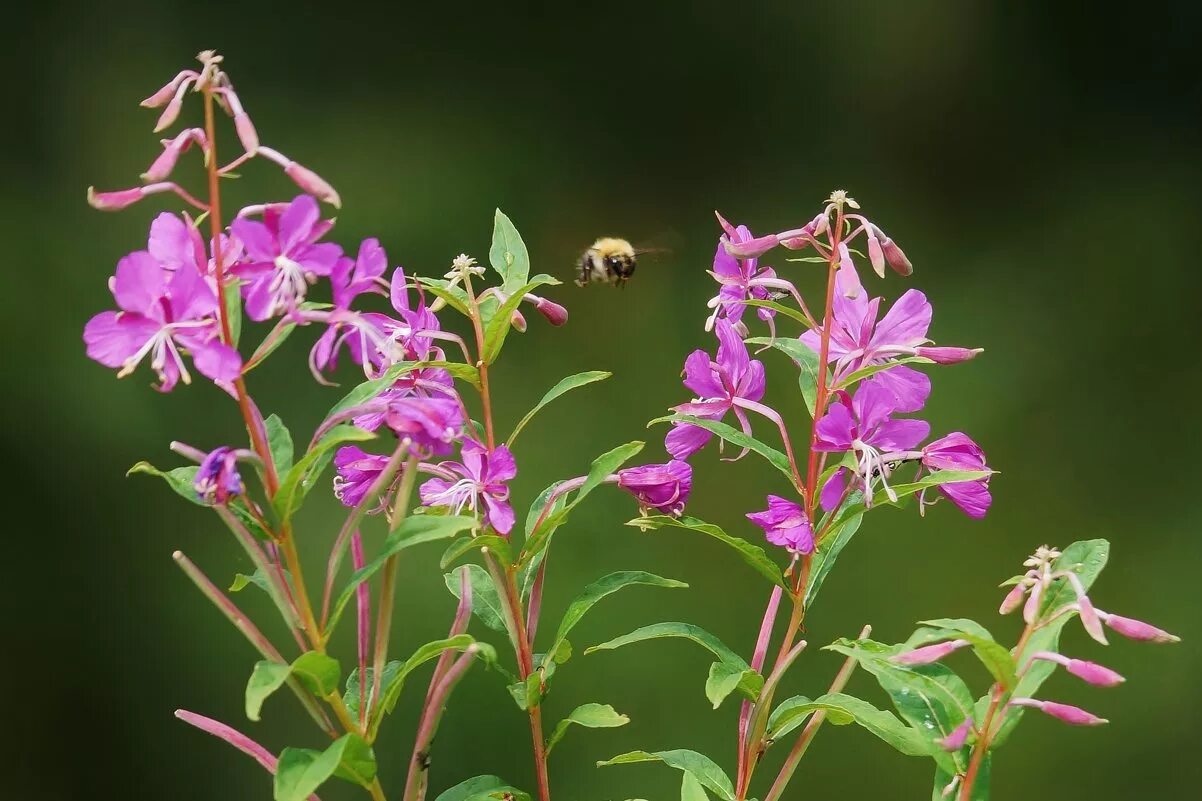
740	279
431	425
785	524
356	470
957	451
719	386
863	423
283	257
662	487
348	280
163	313
482	482
217	480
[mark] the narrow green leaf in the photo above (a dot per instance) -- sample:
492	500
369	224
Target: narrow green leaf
735	437
486	601
685	630
842	709
297	482
702	768
903	491
278	336
873	369
599	589
508	254
453	296
691	789
301	771
806	361
393	685
779	308
592	716
753	555
993	656
279	441
724	678
827	551
180	479
565	385
493	542
358	762
415	530
354	691
479	788
232	293
265	679
320	673
499	326
368	390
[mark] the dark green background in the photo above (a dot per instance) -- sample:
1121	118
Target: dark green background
1039	162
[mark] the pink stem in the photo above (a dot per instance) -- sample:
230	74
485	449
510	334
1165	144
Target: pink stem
419	763
535	607
235	738
757	663
363	600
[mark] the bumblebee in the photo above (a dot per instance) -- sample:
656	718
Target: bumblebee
609	260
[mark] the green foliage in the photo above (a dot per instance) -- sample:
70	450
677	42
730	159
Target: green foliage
843	709
565	385
779	308
486	600
993	656
508	254
699	766
498	327
483	788
726	677
806	361
297	481
735	437
600	588
265	679
753	555
496	544
592	716
318	673
180	479
279	442
873	369
301	771
827	551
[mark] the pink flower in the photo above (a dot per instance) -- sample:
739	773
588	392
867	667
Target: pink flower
356	471
482	484
785	524
662	487
958	452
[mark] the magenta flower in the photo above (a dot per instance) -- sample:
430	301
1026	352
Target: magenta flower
862	423
431	425
283	257
348	280
217	480
719	385
482	477
162	314
785	524
741	279
957	451
175	243
356	471
662	487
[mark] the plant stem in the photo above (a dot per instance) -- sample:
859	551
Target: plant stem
811	728
481	366
419	762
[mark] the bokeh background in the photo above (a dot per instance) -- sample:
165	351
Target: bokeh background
1039	162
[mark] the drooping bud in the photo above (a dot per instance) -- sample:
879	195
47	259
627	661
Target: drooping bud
941	355
752	248
1031	607
1137	629
928	653
171	112
957	738
168	90
730	230
218	480
313	183
172	150
1090	672
555	314
245	129
1090	619
876	256
895	258
1013	599
1073	715
114	201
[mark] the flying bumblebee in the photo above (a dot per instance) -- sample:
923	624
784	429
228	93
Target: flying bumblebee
610	260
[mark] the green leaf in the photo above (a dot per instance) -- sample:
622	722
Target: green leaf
392	685
843	709
368	390
735	437
414	530
565	385
592	716
806	361
278	336
779	308
320	673
753	555
508	254
499	325
980	788
453	296
265	679
354	692
495	543
232	292
903	491
724	678
279	441
181	479
691	789
599	589
301	771
602	467
1086	558
701	767
486	601
873	369
479	788
828	550
993	656
685	630
297	482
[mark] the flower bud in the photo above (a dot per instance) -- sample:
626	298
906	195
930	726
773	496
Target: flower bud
1064	712
171	112
948	355
217	480
1090	672
957	738
730	230
895	258
518	321
1137	629
114	201
1090	619
928	653
752	248
553	312
247	134
172	149
168	90
1031	607
1013	599
313	183
876	256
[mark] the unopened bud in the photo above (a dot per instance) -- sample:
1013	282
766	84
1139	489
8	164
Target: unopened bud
518	321
928	653
1090	672
1067	713
555	314
895	258
168	90
313	183
876	256
1090	619
726	226
948	355
171	112
1013	599
1031	607
247	134
114	201
1137	629
752	248
957	738
172	149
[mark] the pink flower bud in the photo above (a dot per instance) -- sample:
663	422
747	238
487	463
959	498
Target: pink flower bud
555	314
1072	715
247	134
821	223
168	90
752	248
171	112
172	149
518	321
895	258
928	653
114	201
1013	599
1137	629
1031	608
876	256
313	183
1090	619
1091	672
948	355
958	737
726	226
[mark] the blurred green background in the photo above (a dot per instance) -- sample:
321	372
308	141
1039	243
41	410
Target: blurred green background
1039	163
